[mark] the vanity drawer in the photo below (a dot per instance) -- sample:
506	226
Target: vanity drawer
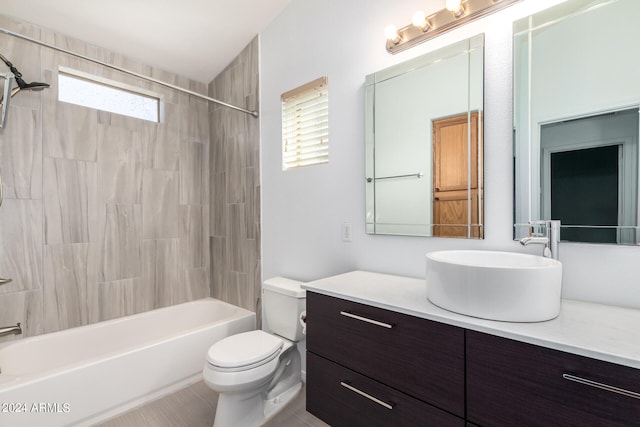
512	383
419	357
341	397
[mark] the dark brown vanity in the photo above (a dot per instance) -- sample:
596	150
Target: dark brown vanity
370	366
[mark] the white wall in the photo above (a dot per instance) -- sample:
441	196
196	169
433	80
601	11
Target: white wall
302	210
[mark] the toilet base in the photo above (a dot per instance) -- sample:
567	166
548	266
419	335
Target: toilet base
275	405
251	409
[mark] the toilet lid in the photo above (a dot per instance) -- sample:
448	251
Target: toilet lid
244	349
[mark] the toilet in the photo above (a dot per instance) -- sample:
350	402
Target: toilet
257	373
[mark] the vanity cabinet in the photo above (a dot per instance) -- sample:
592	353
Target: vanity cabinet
368	366
510	383
374	367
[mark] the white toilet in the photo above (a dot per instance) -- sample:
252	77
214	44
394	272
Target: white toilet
257	373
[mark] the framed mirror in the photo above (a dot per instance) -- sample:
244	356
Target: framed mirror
576	103
424	139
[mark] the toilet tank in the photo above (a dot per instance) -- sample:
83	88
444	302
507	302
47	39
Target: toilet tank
284	301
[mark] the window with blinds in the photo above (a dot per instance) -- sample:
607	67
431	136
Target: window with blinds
305	125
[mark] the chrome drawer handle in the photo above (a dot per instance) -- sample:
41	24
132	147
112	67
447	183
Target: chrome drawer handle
364	319
367	395
601	386
3	281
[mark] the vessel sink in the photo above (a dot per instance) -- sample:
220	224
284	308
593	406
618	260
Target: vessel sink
504	286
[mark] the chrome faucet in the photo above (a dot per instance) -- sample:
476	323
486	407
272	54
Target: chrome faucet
546	233
8	330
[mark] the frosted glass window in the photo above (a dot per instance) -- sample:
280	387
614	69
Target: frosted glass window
102	96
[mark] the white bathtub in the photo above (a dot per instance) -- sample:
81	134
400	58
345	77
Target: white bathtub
88	374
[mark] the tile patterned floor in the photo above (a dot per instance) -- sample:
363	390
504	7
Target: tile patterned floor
195	406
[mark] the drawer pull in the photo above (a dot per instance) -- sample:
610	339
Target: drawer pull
364	319
601	386
367	395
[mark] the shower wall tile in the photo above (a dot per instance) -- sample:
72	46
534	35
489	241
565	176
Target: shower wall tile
160	269
218	214
160	204
123	298
104	215
24	308
70	297
52	59
21	154
205	177
70	130
195	283
236	241
21	244
193	239
160	147
241	290
70	201
120	242
173	117
19	26
217	146
218	256
252	204
198	121
256	279
191	173
119	166
234	184
236	164
173	97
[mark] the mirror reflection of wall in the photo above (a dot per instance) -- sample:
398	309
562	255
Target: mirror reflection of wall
424	144
576	103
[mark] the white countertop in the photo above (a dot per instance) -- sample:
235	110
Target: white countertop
598	331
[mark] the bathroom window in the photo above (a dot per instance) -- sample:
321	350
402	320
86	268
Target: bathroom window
107	95
305	125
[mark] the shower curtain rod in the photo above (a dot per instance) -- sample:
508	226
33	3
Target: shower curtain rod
124	70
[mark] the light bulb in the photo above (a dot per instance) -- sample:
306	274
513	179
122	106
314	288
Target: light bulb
391	33
455	7
419	19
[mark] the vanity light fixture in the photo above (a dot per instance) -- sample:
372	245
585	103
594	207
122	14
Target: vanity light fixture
455	14
391	33
419	20
455	7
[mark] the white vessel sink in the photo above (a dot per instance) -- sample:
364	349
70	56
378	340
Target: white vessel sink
504	286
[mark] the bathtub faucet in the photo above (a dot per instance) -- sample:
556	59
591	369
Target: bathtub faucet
8	330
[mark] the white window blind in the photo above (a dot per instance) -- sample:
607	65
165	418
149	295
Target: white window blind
305	125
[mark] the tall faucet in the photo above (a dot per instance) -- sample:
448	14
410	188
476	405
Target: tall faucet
546	233
9	330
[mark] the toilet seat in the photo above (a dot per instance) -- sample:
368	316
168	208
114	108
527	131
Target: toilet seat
244	351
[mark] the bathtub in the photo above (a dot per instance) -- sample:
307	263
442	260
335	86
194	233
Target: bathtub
85	375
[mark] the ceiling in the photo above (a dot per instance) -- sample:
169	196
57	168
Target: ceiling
193	38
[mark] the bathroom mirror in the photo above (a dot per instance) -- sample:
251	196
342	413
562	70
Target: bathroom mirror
576	101
423	123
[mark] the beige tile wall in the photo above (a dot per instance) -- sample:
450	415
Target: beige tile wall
235	184
106	215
